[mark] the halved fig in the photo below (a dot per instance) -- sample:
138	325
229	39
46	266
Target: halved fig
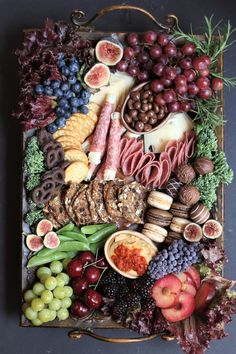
109	51
212	229
183	308
205	295
165	291
193	232
97	76
51	240
195	275
43	227
34	242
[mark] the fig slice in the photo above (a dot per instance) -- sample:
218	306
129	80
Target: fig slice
97	76
43	227
51	240
212	229
109	51
34	242
193	232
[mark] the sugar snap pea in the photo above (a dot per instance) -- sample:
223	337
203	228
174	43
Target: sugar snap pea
102	234
66	246
76	236
91	229
68	227
97	246
37	261
63	238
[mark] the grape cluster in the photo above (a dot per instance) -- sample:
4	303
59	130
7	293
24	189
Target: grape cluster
178	73
68	93
50	297
178	257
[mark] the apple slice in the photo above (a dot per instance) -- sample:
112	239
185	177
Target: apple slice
183	308
195	275
187	283
166	290
204	296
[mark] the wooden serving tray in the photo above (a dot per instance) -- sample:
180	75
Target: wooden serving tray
98	321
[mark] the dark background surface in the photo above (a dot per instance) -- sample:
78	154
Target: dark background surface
14	17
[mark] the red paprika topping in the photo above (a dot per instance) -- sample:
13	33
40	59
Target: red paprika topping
127	259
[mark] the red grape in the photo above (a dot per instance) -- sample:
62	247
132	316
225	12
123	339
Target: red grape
169	95
102	262
143	57
199	63
180	80
190	74
178	70
217	84
156	86
128	53
163	39
169	73
204	72
170	50
86	256
186	63
188	48
155	52
185	106
166	82
92	274
150	37
205	94
159	100
202	82
148	65
133	70
173	106
206	59
79	309
193	89
164	59
122	65
143	76
132	39
158	69
179	53
93	299
80	285
181	89
136	49
75	268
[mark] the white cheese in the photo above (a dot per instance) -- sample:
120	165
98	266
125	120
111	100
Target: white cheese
174	129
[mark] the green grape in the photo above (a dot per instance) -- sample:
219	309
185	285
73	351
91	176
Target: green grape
50	283
65	262
24	306
59	292
42	271
30	314
55	304
37	304
29	295
56	267
53	315
45	315
46	296
38	288
62	277
44	277
66	302
68	291
37	322
62	314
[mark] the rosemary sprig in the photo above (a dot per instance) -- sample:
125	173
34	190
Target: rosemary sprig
206	113
228	81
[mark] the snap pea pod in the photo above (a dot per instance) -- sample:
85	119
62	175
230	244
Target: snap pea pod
66	246
63	238
68	227
36	261
76	236
102	234
97	246
91	229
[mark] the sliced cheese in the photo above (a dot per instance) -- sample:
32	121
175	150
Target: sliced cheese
174	129
120	84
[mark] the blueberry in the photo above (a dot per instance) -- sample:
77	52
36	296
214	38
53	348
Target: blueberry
58	93
69	94
84	109
48	91
47	82
85	94
75	102
65	71
61	64
61	122
55	84
52	128
65	86
38	89
67	115
63	102
174	263
73	67
72	80
76	87
74	110
60	111
85	101
60	56
74	60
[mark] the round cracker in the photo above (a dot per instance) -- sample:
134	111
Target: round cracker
76	172
68	138
69	145
75	155
95	107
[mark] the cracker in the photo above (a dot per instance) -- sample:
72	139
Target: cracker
68	145
76	172
68	138
75	155
95	107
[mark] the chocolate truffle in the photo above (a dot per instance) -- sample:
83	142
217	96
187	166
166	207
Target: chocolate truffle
199	213
186	173
203	165
172	187
189	195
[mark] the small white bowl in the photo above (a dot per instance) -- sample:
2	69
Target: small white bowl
110	241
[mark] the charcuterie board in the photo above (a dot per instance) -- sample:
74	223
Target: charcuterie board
123	180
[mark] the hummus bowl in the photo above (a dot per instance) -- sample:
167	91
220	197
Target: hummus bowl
132	240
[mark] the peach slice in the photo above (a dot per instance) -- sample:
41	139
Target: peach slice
204	296
182	309
166	290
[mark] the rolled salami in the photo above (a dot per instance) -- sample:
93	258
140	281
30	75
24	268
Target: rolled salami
113	148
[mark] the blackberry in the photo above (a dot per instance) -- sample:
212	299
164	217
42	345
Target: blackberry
132	300
110	291
121	281
119	308
122	291
108	278
145	292
142	286
148	305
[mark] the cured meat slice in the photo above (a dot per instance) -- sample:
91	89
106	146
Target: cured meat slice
131	146
132	163
166	168
191	139
141	175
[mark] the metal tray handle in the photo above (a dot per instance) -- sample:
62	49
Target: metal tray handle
78	17
77	334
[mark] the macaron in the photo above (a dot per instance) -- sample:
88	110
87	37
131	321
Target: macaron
199	213
178	224
172	235
160	200
159	217
180	210
154	232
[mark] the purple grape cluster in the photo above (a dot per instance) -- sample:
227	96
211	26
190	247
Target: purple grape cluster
178	257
